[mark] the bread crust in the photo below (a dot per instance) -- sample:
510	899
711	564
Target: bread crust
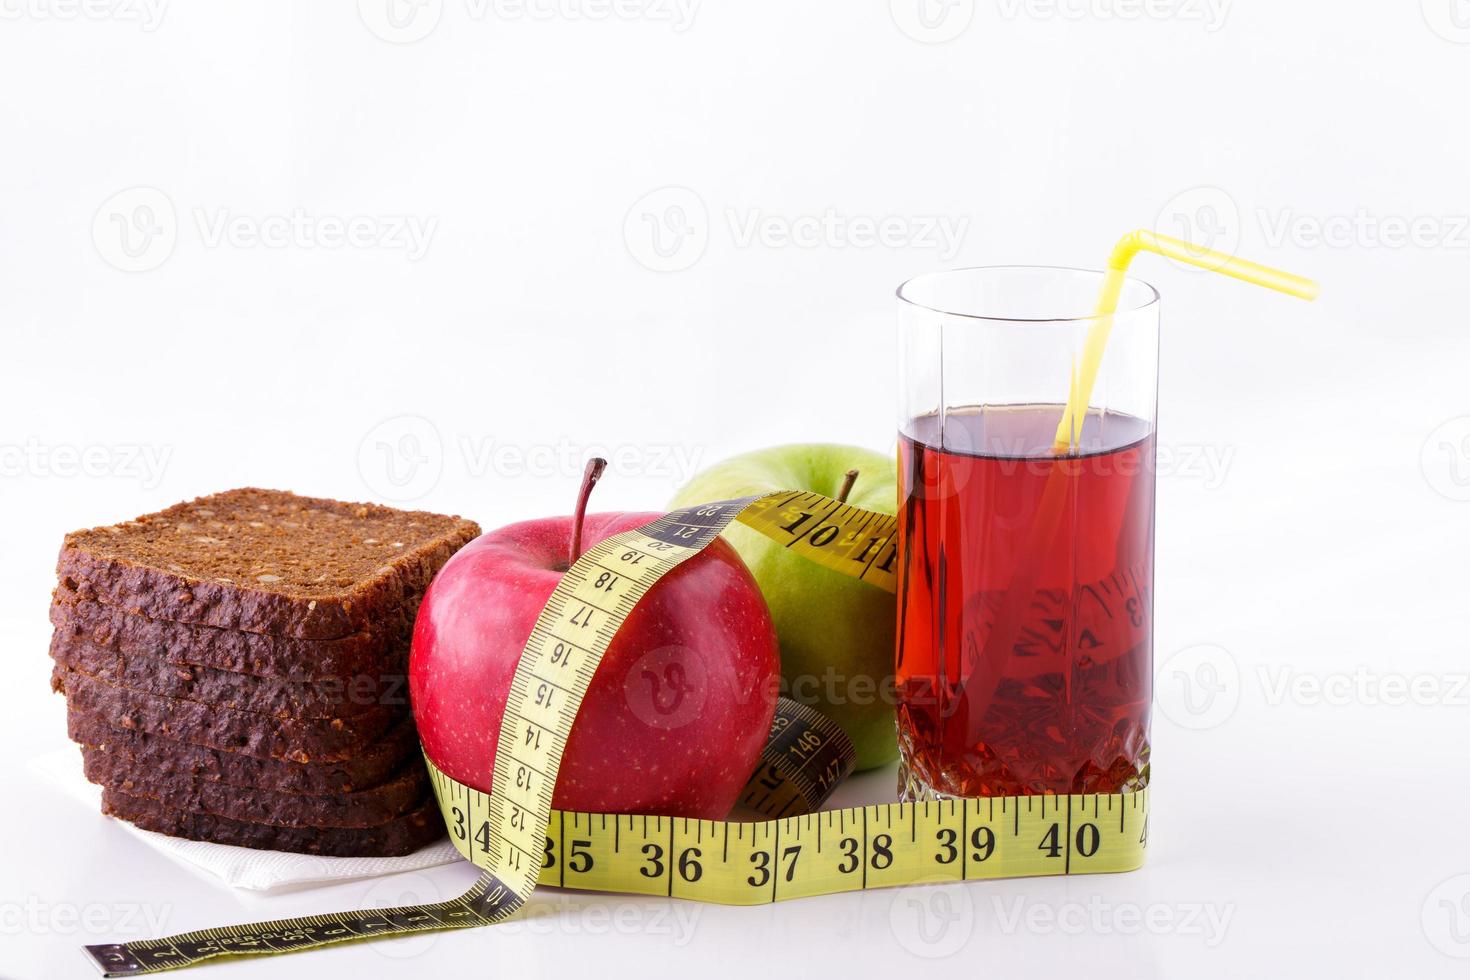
272	697
118	770
175	759
401	835
144	565
382	647
295	739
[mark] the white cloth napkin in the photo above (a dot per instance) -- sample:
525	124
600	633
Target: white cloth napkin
240	867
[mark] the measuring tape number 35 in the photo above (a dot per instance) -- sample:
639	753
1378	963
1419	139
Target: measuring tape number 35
518	840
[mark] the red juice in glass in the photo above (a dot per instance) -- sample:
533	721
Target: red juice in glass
1025	552
1024	666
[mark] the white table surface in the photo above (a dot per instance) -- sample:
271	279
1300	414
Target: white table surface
1313	719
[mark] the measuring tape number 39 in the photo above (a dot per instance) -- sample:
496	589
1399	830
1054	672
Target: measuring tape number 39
518	840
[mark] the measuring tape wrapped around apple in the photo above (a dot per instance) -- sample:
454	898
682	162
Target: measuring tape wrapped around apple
501	816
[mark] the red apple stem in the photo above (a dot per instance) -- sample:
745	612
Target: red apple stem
590	476
847	481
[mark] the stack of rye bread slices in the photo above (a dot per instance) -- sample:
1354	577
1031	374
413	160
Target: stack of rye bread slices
235	669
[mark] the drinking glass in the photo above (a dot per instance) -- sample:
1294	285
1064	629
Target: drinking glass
1025	574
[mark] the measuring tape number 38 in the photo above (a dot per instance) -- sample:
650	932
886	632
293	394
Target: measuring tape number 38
518	840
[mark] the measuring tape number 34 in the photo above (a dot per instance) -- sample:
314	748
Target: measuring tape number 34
518	840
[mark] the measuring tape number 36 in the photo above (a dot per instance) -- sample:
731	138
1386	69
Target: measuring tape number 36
518	840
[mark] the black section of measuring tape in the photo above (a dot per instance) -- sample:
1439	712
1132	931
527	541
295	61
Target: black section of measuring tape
114	959
805	758
696	527
486	902
491	899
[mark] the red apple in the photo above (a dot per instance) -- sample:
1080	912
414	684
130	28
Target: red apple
679	709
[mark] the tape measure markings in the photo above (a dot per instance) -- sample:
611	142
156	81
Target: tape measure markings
885	844
518	840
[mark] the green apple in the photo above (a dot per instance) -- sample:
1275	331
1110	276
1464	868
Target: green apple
836	633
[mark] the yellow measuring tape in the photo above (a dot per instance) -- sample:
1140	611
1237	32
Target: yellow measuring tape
518	840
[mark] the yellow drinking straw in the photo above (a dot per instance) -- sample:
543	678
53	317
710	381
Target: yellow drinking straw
1069	429
1000	647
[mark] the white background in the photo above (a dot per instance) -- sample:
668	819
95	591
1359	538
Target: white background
1314	495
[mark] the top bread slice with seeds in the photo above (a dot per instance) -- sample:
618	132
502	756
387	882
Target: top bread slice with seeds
263	561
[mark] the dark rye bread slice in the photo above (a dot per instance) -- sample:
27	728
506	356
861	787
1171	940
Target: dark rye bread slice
274	696
265	561
247	732
366	808
381	648
401	835
374	765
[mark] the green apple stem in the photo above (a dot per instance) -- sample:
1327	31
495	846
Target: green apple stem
848	480
590	476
